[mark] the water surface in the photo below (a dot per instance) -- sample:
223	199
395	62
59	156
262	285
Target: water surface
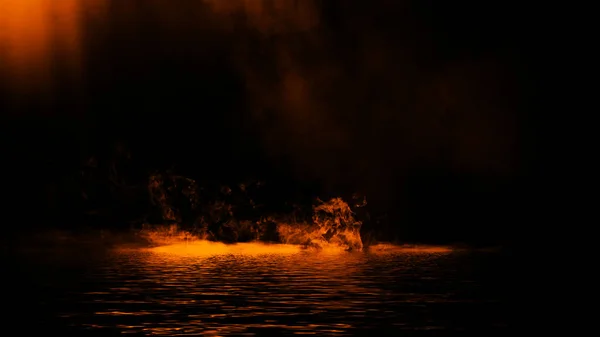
287	292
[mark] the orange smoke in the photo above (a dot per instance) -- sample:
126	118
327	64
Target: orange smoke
332	95
271	16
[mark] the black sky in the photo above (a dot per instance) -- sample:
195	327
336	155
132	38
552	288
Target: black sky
424	106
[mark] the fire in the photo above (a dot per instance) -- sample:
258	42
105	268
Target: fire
333	229
218	228
208	248
174	241
333	226
216	217
183	244
168	235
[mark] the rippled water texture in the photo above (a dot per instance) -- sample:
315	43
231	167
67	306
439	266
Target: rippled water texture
257	290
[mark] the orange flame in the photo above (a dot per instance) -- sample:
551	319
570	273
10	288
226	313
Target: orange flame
208	248
333	229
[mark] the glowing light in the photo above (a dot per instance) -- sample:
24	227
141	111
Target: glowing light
34	34
333	227
387	248
207	248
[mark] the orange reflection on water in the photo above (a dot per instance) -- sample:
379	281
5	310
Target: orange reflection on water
238	288
209	288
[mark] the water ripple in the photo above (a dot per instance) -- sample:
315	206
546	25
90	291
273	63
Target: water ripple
146	292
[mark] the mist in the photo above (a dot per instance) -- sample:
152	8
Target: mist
387	98
359	97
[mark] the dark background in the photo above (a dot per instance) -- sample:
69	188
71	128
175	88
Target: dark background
425	107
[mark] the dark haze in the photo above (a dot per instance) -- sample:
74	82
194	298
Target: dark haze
419	105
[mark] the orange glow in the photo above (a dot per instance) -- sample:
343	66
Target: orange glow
208	248
387	248
333	226
35	34
173	241
333	217
170	241
278	287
